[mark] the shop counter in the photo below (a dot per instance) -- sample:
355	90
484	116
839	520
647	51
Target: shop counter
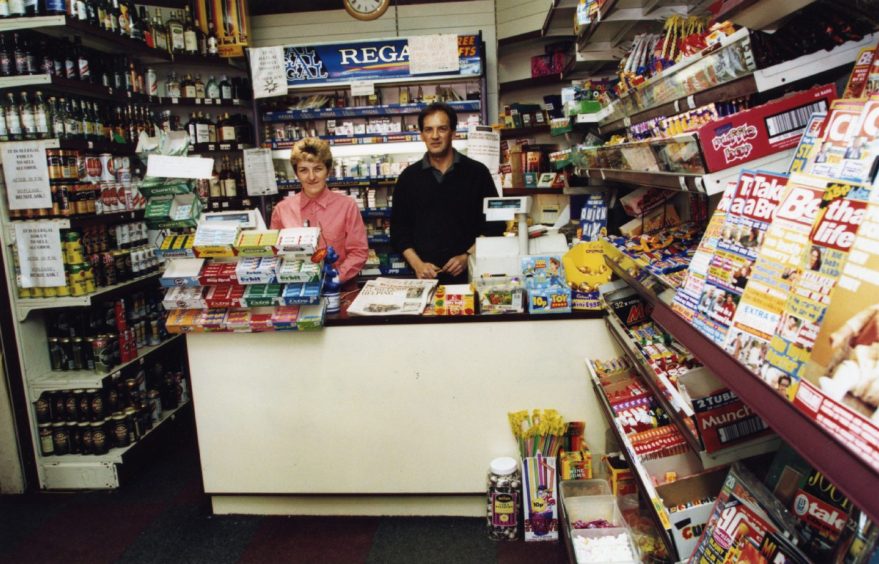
381	415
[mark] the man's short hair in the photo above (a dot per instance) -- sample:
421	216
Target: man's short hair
438	107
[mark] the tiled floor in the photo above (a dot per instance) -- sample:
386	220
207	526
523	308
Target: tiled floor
163	516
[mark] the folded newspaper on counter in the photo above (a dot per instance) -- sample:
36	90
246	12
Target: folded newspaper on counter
393	296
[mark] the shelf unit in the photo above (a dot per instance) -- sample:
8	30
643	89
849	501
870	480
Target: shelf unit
53	84
68	380
758	14
201	102
465	106
363	139
516	132
840	464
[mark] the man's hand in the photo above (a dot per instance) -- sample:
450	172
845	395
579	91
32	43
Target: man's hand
456	265
425	270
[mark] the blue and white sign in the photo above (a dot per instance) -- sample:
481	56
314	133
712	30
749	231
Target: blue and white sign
369	60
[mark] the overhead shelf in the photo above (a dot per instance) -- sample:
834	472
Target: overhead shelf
364	139
620	20
68	380
516	132
758	14
825	452
25	306
202	102
363	111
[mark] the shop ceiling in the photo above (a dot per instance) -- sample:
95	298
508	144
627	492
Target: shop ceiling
265	7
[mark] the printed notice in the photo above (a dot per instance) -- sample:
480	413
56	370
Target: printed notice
484	145
362	88
433	53
39	254
260	172
163	166
27	175
268	71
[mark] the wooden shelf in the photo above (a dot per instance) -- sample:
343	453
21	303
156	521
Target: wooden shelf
821	449
514	132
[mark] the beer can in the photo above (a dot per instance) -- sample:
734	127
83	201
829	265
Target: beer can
101	354
108	173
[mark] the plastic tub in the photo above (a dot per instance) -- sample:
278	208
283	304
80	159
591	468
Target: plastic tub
593	508
590	536
577	488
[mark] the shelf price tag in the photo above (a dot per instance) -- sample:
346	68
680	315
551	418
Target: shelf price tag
27	175
175	100
683	182
197	101
691	101
39	254
362	88
627	121
268	71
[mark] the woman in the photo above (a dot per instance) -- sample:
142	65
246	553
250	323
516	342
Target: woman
815	259
337	215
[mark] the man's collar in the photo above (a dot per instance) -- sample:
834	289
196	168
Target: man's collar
425	161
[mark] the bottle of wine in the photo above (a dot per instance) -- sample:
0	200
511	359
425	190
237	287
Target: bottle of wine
227	180
213	42
7	61
41	116
199	87
225	88
160	34
13	121
82	61
28	124
187	86
212	89
190	38
175	33
146	26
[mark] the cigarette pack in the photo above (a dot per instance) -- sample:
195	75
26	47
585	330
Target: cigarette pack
539	497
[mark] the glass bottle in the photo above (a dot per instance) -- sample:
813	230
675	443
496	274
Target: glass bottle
212	42
202	130
160	34
19	53
212	88
16	8
113	17
4	133
225	88
504	483
41	116
172	87
175	33
227	130
212	129
28	124
13	121
146	26
190	39
7	61
59	116
47	66
227	180
98	130
4	13
187	86
122	18
73	125
82	61
199	87
85	122
190	127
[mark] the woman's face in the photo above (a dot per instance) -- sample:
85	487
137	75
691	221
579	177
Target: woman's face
313	176
815	256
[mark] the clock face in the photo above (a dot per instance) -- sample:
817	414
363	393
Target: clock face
367	9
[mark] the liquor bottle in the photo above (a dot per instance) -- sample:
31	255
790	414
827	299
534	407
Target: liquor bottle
146	26
242	178
172	86
190	39
13	121
31	8
199	87
187	86
47	66
225	88
101	7
131	129
212	128
4	133
98	129
16	8
55	7
227	180
85	122
19	54
70	63
82	62
227	129
122	15
26	112
73	125
113	17
202	39
151	82
41	116
133	78
58	62
7	60
4	13
91	13
212	88
59	118
160	34
120	127
202	130
190	127
212	42
404	95
175	33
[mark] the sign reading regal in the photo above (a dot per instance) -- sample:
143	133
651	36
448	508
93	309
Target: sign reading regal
369	60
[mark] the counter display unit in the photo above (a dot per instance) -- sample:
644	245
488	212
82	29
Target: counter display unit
380	416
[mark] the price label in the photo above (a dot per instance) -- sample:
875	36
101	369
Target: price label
627	121
225	147
208	102
197	101
91	144
683	182
691	101
677	106
175	100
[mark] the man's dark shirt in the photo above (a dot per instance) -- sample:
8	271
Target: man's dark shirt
440	215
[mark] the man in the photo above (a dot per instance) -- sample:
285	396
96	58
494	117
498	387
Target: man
437	208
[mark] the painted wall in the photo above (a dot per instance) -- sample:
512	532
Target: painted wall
335	26
11	477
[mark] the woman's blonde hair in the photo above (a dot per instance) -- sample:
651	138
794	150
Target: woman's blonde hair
311	149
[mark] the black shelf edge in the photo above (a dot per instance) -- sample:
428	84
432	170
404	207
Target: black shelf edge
532	191
814	443
513	132
201	102
546	80
106	41
67	87
235	63
101	145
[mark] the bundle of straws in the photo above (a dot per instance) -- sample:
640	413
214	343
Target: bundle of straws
542	431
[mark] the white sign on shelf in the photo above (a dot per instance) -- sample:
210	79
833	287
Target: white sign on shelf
163	166
362	88
484	145
433	53
39	254
260	172
27	175
268	71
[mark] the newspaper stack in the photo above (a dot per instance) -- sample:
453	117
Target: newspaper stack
393	296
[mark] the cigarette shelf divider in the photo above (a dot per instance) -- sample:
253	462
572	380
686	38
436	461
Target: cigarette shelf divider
658	515
840	464
25	306
72	379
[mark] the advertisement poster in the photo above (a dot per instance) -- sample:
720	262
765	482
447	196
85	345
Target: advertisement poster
369	60
267	72
840	384
231	24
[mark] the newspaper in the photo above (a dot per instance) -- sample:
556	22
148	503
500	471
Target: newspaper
393	296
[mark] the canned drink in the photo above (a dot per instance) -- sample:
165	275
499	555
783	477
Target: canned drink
37	293
75	437
71	405
93	167
85	436
101	354
70	164
108	261
66	348
100	444
47	446
43	408
54	162
107	172
84	405
60	438
50	292
63	192
96	399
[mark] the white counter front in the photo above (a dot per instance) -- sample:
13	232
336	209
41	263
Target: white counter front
380	419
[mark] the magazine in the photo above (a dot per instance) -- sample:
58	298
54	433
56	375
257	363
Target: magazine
393	296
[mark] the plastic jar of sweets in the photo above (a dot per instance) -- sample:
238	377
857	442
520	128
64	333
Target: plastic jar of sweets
502	504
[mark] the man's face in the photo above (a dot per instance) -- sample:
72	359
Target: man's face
437	134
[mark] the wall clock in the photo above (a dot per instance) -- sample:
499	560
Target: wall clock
367	9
